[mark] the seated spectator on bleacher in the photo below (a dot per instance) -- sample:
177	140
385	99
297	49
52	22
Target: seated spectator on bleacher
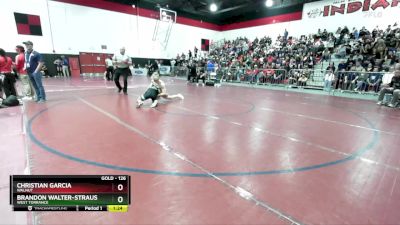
374	80
278	76
392	88
369	68
339	81
350	79
293	77
358	66
379	49
267	74
341	52
331	67
329	77
361	81
254	74
309	61
358	57
246	76
303	79
367	48
342	65
363	48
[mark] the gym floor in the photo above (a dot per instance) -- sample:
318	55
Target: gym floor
223	155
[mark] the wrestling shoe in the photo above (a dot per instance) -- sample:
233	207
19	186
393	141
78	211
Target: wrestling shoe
154	104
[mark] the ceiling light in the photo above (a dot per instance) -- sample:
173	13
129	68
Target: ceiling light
269	3
213	7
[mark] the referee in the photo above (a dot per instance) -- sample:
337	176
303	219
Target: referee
122	63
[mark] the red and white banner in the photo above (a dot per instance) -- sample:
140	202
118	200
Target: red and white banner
366	8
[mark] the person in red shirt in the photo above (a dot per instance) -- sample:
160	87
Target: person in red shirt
27	89
7	78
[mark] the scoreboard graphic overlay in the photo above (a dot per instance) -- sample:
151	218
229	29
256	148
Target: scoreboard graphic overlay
70	193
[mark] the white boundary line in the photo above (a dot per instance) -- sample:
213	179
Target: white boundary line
324	148
238	190
329	121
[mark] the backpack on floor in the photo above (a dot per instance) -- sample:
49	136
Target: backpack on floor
10	101
210	83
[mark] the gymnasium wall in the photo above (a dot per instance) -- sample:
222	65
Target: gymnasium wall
71	28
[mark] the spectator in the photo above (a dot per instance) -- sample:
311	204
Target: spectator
27	89
192	76
65	66
341	52
195	52
326	55
361	81
109	68
44	71
392	88
303	79
210	66
278	76
285	35
154	67
173	62
374	80
342	65
7	78
34	63
340	79
58	64
331	67
355	33
329	77
350	79
305	52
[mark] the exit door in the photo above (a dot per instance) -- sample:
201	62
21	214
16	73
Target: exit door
74	66
93	63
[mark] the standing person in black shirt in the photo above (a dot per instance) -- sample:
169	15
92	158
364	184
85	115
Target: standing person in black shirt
195	52
154	67
190	54
192	76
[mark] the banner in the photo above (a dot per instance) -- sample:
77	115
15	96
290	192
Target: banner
335	8
205	45
164	70
28	24
139	72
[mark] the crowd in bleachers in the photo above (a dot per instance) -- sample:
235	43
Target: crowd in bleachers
361	56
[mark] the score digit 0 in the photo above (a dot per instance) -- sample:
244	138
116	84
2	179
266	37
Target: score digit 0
120	199
120	187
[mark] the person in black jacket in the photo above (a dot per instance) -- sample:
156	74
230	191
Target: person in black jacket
153	67
192	76
392	88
